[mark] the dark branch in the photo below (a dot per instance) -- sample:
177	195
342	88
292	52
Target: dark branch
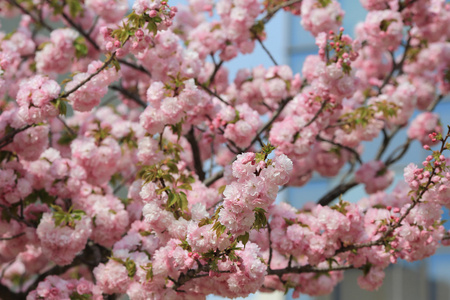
273	11
266	50
41	22
128	94
356	154
104	66
336	192
12	237
7	139
198	164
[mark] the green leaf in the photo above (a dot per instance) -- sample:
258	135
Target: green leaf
205	221
151	26
366	268
219	228
237	117
184	201
288	222
222	189
324	3
66	138
172	167
160	191
244	238
185	245
76	296
260	218
173	200
130	265
384	25
185	186
116	259
145	233
116	64
81	49
75	7
149	269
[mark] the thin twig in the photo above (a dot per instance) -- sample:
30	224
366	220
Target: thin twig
322	107
273	11
12	237
7	139
128	94
93	26
284	102
136	67
307	269
42	23
270	247
122	183
79	29
198	163
265	49
69	129
209	181
269	123
216	69
356	154
105	64
211	92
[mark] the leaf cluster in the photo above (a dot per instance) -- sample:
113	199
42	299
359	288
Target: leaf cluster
63	218
129	264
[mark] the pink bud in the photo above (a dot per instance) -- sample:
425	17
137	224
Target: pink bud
426	147
139	33
109	46
153	13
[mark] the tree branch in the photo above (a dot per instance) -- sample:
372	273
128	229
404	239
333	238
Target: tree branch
12	237
41	22
128	94
273	11
356	154
283	103
105	64
265	49
198	164
7	139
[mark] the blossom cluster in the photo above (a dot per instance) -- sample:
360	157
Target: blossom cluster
133	162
